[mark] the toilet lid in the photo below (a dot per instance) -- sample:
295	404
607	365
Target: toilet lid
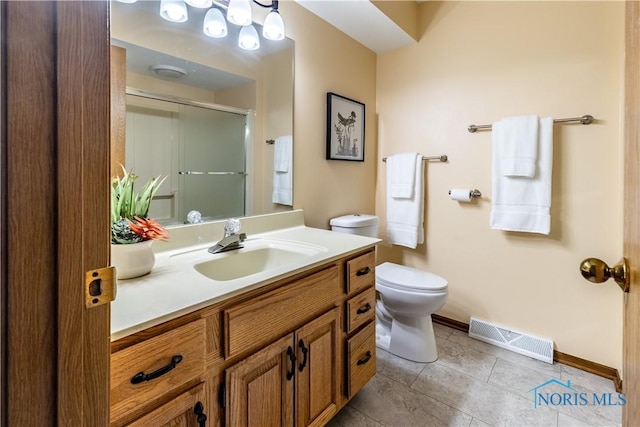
401	277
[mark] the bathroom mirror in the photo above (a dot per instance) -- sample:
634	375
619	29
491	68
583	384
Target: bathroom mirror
202	112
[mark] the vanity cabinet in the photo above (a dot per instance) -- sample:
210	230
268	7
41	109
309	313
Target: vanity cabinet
291	353
293	381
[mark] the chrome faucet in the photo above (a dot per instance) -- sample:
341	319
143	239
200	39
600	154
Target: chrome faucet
231	240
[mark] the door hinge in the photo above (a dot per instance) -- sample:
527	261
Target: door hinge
99	286
222	395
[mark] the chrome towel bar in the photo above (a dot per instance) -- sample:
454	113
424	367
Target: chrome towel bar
587	119
211	173
442	158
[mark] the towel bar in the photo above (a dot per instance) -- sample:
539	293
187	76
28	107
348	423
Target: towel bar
587	119
442	158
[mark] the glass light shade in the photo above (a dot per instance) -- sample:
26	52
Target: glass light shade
214	24
273	27
173	10
202	4
239	12
248	39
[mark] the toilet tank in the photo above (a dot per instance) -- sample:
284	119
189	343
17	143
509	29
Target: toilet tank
360	224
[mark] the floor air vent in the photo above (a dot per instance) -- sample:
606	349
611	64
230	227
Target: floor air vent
519	342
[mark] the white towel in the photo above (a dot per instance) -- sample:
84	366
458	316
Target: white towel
282	153
405	217
523	204
516	140
402	171
282	171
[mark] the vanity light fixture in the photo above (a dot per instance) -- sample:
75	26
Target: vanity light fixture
200	4
273	27
174	10
239	12
248	39
214	24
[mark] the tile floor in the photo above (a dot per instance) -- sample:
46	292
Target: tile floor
474	384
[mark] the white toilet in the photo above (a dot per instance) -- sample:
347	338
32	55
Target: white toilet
408	298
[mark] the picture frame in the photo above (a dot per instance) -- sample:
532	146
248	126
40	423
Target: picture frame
345	128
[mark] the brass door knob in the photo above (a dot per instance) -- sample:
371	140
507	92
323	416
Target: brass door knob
597	271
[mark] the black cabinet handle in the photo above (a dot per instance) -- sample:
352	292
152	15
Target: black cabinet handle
365	359
364	309
201	417
304	351
142	377
363	271
292	358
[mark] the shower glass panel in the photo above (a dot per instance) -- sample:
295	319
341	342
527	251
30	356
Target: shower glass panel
201	150
214	153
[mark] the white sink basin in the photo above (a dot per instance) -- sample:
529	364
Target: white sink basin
257	256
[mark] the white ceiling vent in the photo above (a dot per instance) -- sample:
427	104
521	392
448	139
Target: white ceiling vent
168	72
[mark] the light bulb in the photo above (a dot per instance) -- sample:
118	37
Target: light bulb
173	10
214	24
248	39
273	27
127	1
201	4
239	12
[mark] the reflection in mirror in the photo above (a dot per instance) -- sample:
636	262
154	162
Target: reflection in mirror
203	112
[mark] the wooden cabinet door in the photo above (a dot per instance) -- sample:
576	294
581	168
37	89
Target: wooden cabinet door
260	388
186	410
318	370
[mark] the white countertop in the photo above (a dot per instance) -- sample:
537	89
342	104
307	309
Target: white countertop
174	287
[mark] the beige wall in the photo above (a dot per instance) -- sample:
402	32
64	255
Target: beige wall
326	60
480	61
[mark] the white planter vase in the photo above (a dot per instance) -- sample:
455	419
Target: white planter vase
132	260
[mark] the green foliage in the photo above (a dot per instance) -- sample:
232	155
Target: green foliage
126	203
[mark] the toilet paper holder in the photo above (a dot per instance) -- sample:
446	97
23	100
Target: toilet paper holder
475	193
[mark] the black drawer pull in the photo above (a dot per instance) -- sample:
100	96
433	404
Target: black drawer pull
292	359
363	271
364	309
304	351
201	417
365	359
141	376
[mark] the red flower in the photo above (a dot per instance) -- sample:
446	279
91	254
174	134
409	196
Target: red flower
149	229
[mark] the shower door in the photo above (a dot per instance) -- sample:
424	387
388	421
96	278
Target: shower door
213	163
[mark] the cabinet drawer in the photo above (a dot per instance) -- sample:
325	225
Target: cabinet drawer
180	411
149	357
361	272
361	357
259	321
361	309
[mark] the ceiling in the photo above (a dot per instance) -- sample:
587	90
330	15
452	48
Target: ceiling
372	27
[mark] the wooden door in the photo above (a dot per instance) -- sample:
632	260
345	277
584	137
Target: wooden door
317	386
631	337
260	388
186	410
55	204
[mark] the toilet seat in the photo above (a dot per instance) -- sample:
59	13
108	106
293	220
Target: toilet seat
410	279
